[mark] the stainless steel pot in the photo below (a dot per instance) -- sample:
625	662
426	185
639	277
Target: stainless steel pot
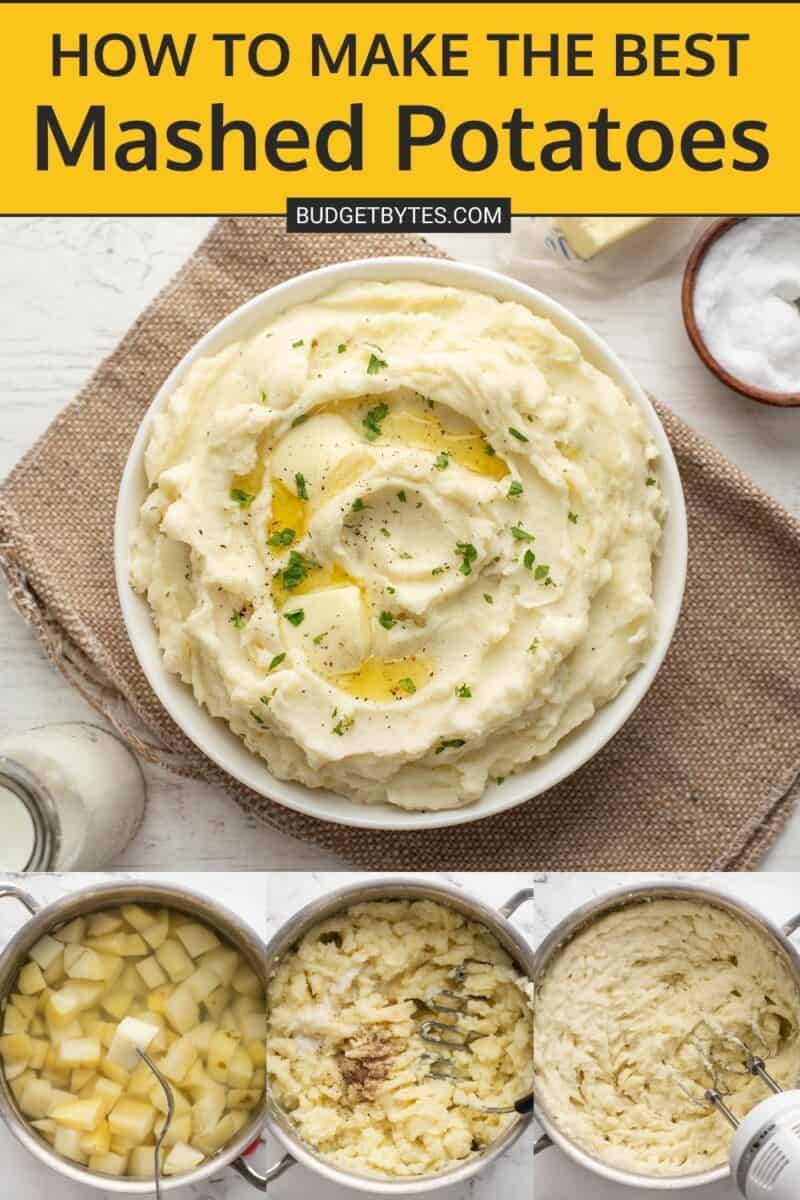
497	921
91	899
583	916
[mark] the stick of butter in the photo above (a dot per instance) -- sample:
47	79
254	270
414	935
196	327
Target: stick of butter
587	236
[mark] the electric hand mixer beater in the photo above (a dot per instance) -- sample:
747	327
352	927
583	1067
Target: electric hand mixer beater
765	1151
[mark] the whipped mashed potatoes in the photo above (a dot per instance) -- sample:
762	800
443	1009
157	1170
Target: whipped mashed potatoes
624	1015
344	1055
401	540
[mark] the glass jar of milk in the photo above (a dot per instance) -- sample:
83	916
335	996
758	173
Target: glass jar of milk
71	798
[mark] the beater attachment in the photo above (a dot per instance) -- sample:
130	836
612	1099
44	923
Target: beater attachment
723	1053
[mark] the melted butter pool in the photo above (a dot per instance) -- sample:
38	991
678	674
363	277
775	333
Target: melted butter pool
386	679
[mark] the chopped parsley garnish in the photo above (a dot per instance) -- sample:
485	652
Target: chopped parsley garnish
385	531
529	559
451	744
276	662
319	638
263	396
299	342
266	699
243	499
296	617
407	685
301	485
299	420
441	461
515	489
401	496
490	450
572	517
343	725
375	364
390	589
468	555
650	481
517	434
358	505
340	349
281	537
238	618
489	599
521	534
258	720
534	646
463	692
438	570
372	421
542	571
387	620
297	570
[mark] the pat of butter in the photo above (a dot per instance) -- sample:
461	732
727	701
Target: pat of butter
589	235
334	634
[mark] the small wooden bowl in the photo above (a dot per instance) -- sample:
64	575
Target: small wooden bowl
699	251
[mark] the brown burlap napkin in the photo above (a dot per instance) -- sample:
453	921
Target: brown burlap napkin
703	776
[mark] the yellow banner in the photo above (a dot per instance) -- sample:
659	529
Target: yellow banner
233	108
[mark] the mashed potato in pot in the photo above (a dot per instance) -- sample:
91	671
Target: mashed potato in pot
344	1057
624	1015
401	540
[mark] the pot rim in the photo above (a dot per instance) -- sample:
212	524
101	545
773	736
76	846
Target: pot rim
570	925
398	886
58	911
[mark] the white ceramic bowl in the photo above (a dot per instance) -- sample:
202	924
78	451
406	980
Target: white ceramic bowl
215	738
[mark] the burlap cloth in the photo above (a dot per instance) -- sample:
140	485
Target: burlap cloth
702	777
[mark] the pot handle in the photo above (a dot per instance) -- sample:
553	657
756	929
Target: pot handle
16	893
256	1180
792	925
516	901
279	1169
544	1142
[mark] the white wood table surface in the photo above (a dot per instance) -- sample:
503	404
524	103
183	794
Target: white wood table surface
776	895
70	288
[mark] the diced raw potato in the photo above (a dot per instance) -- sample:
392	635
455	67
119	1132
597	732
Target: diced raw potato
221	1050
46	951
110	1090
108	1164
80	1114
132	1036
174	960
101	924
157	999
88	965
38	1055
58	1098
254	1027
15	1046
116	1004
138	918
179	1060
36	1098
98	1141
246	1098
198	1081
75	931
114	1071
27	1005
67	1143
55	972
131	981
63	1006
80	1052
241	1069
156	934
140	1082
46	1127
180	1130
181	1010
31	980
223	961
159	1100
113	943
142	1162
63	1034
17	1075
72	953
131	1119
202	983
201	1035
217	1002
135	945
246	981
207	1112
225	1132
59	1077
228	1021
14	1021
123	1145
82	1081
197	939
151	972
182	1158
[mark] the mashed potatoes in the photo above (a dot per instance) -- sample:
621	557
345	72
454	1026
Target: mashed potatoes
344	1056
401	540
621	1013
